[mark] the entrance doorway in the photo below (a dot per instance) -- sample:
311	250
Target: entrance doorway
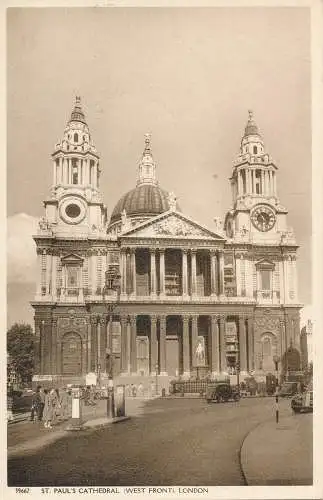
72	354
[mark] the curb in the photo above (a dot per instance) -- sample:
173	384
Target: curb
252	471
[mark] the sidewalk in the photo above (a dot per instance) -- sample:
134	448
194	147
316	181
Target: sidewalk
279	454
26	437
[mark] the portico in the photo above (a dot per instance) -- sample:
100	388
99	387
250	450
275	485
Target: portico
174	344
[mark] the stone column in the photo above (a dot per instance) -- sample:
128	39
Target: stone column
221	272
153	358
39	272
193	272
103	342
215	345
162	345
263	189
250	354
194	339
93	273
53	346
54	275
42	346
94	343
133	344
124	362
184	273
89	332
98	353
283	342
162	271
242	345
186	346
123	272
152	272
213	272
134	272
271	190
239	183
274	183
223	358
48	273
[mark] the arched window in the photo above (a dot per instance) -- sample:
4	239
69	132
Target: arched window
255	150
76	137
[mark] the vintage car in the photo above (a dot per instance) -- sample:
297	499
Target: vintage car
302	402
221	393
288	389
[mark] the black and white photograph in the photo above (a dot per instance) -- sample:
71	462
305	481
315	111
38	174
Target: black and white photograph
160	320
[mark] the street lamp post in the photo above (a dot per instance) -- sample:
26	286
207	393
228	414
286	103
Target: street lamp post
113	285
276	361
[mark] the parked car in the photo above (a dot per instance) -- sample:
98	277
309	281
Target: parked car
302	402
288	389
222	393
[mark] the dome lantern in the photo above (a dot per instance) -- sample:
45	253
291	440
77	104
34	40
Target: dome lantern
147	165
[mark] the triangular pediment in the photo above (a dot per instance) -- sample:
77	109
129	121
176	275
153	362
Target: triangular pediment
172	224
72	258
265	264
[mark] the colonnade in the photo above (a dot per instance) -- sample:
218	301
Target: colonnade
100	343
128	261
87	171
248	184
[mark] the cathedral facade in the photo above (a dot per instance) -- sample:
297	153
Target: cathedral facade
150	290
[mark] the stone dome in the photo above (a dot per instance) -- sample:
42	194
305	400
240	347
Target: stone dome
145	199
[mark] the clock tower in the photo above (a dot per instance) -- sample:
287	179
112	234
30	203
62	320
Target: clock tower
75	206
256	207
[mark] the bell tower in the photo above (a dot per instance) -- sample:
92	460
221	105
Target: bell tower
75	206
256	210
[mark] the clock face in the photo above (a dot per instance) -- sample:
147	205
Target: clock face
263	218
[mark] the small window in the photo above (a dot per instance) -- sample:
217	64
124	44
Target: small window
72	277
74	171
255	150
265	276
76	137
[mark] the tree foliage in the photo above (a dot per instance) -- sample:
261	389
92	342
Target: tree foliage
20	347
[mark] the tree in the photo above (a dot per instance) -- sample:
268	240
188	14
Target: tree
20	347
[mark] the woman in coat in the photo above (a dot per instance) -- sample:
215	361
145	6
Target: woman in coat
46	412
50	408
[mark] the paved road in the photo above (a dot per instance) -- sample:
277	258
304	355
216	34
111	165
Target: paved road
176	441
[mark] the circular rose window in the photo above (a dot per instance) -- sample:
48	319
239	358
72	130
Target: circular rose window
72	210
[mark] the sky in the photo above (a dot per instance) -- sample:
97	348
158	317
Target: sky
186	75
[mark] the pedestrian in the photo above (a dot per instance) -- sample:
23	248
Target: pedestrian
34	406
57	405
46	412
49	409
64	402
41	403
140	390
92	396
